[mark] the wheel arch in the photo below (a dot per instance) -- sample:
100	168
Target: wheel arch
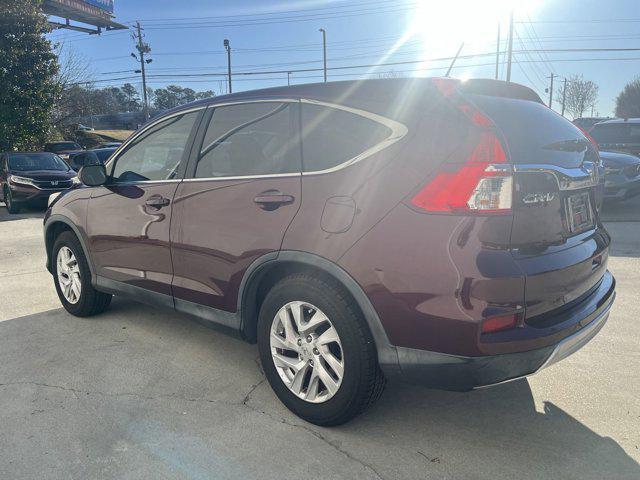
268	269
54	226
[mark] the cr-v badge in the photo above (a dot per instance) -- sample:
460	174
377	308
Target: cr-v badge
538	198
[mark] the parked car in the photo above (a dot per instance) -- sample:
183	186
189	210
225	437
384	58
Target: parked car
62	149
79	159
438	231
84	128
109	145
587	123
621	175
620	135
30	178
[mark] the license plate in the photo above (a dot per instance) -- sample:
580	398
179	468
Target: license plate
579	214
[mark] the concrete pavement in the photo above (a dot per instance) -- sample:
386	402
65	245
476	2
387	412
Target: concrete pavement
141	393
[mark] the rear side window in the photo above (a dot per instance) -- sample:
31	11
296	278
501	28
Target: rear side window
156	154
250	139
331	137
616	133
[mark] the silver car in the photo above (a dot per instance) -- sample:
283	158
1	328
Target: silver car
621	175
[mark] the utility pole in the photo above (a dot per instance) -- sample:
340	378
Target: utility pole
551	91
564	95
510	51
498	51
324	51
227	46
142	49
288	78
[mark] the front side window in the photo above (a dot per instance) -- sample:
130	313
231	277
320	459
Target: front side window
156	154
331	136
250	139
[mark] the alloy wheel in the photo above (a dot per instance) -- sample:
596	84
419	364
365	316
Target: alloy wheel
307	352
69	275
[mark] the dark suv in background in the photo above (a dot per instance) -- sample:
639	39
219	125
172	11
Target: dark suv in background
30	178
441	232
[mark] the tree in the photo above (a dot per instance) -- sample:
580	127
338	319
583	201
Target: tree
28	68
72	72
581	94
628	101
133	102
174	95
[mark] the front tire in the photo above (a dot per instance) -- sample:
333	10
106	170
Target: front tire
316	350
9	202
72	278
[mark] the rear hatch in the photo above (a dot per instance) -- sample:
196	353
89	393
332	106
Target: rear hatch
556	237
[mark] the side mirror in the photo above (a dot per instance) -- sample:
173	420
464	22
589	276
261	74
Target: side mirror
93	173
78	161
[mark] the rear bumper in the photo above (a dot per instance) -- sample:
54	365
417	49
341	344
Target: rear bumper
453	372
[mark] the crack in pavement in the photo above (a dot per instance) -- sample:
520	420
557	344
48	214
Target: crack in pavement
307	429
244	403
118	394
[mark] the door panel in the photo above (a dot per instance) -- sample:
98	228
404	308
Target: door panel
244	193
128	220
129	238
219	228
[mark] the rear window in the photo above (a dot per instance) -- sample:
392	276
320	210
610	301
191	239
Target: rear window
535	134
331	137
616	133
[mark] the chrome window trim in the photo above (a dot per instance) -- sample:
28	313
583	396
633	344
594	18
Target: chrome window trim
398	132
115	155
245	177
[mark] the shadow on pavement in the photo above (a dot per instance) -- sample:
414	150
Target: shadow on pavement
491	433
499	426
25	212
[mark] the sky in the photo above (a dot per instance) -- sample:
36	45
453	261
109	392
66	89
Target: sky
276	36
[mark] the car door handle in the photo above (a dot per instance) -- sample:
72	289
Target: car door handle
157	201
272	199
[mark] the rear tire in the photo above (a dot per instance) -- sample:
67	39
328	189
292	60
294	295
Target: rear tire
361	382
89	301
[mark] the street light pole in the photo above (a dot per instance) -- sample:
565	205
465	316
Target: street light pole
288	78
498	52
227	46
510	51
324	51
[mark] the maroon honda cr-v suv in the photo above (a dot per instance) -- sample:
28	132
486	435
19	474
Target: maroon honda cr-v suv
439	231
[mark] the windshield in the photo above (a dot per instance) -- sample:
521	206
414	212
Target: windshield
616	133
22	162
59	147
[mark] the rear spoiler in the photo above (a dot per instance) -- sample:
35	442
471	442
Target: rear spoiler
497	88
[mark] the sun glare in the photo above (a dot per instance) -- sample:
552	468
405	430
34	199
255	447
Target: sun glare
442	26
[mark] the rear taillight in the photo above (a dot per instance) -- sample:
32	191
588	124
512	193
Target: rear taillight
483	183
590	138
